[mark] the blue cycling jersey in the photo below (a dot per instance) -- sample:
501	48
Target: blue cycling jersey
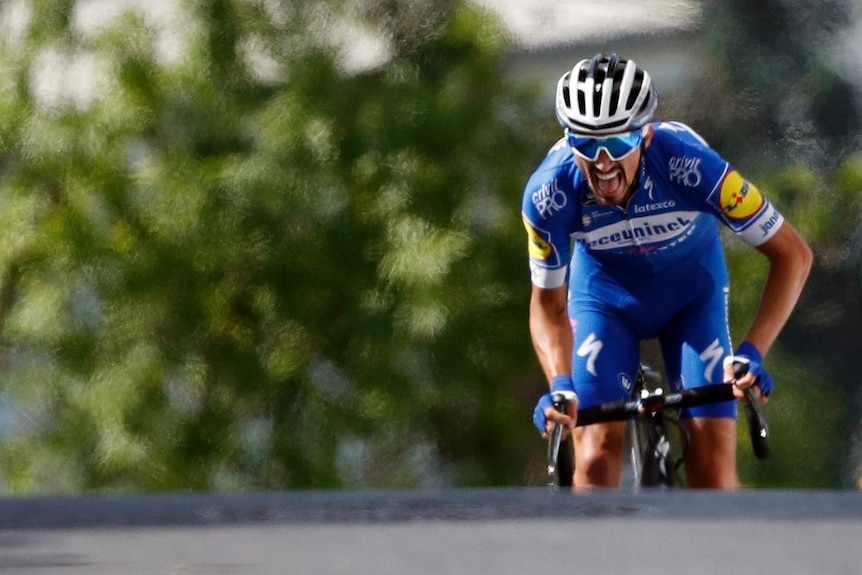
684	188
653	269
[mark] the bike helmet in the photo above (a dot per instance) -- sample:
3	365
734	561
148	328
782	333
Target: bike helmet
605	95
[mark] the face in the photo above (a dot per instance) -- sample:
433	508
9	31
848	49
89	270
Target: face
611	178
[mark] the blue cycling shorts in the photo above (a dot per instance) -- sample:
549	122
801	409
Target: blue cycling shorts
685	308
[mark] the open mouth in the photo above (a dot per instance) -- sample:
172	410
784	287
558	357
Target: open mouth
609	184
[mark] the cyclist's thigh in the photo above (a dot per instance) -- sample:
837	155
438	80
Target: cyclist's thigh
605	355
697	340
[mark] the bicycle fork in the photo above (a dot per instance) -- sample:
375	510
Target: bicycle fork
652	458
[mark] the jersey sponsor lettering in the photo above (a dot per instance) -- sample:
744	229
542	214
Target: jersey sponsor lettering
685	171
739	199
646	208
538	248
767	226
763	226
549	199
635	231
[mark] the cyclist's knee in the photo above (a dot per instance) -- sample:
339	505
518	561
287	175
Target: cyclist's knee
598	455
711	458
715	473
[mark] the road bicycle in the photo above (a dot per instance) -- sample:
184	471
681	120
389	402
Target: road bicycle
653	460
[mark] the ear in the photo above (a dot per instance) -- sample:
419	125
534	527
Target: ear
649	134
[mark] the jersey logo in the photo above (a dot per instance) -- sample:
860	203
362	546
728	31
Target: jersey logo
549	199
538	248
625	381
685	171
642	231
648	186
590	349
739	199
712	355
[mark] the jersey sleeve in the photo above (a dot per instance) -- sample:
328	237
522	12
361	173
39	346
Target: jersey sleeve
745	210
724	192
547	210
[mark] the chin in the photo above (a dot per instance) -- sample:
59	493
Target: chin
609	201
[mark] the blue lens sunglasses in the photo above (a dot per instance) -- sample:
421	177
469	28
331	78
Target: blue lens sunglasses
617	147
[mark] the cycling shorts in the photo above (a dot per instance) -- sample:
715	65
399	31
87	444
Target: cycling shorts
685	308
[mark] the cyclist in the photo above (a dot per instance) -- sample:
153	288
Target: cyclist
623	242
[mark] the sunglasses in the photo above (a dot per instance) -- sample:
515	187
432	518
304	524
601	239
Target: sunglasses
617	147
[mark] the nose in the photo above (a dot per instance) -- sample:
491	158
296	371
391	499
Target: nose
604	161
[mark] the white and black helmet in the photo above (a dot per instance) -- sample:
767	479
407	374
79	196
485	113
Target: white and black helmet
605	95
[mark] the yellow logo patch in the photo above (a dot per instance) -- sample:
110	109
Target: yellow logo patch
739	198
538	248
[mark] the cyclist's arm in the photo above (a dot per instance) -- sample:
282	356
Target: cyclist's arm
790	260
552	340
550	330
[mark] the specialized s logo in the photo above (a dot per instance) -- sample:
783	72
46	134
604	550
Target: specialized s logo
739	199
538	248
648	186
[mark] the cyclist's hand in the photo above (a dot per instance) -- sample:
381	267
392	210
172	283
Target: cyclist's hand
753	372
545	415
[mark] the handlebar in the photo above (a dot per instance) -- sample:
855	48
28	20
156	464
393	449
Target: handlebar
651	402
714	393
622	410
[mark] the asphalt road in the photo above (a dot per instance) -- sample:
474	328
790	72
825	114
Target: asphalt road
474	532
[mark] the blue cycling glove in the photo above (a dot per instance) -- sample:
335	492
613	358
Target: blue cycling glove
539	418
560	384
748	354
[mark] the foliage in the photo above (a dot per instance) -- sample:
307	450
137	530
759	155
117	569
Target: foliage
215	278
812	414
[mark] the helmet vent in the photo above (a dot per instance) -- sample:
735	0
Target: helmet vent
597	94
636	89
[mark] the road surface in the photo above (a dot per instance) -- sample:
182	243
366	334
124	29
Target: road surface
482	531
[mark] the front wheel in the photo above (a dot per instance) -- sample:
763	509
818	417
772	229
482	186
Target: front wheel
651	453
656	462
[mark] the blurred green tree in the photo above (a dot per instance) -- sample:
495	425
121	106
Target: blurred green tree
247	267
